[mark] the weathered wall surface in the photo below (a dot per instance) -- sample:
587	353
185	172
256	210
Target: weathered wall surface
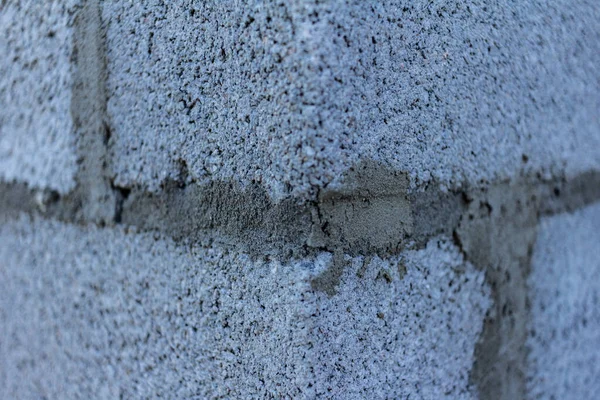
210	199
36	129
565	292
293	95
90	311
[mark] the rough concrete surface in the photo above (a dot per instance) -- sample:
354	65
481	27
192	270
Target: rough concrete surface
564	330
294	94
105	313
301	199
37	142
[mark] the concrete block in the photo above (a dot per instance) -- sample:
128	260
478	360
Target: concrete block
37	142
105	313
293	95
564	358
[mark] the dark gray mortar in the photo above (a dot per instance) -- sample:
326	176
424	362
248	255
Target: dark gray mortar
93	200
373	212
497	233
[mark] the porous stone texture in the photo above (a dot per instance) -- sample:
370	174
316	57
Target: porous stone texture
299	199
105	313
37	142
294	94
401	327
564	334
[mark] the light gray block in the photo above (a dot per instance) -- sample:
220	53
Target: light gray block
103	313
294	94
401	327
564	338
37	141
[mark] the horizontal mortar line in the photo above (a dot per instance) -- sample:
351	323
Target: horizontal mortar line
191	212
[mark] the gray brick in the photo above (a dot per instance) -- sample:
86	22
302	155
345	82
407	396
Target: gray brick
37	140
294	94
103	313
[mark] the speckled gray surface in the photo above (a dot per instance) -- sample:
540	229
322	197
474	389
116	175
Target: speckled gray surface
293	94
37	142
276	147
102	313
564	337
402	327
